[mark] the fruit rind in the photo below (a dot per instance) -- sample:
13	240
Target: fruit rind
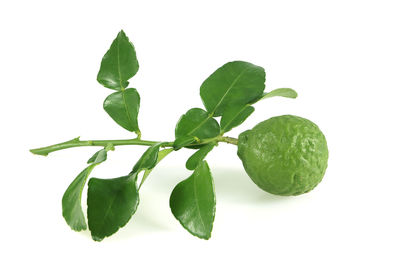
284	155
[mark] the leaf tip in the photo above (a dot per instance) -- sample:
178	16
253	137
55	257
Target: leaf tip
97	239
78	228
205	237
189	166
294	95
74	225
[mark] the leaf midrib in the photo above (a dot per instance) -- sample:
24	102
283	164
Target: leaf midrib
211	114
197	203
237	115
227	91
200	124
108	211
127	111
119	66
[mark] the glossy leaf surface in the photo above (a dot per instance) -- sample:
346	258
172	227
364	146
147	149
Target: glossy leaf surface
161	154
283	92
198	156
193	202
235	116
236	83
119	64
111	203
98	157
148	160
197	122
123	108
71	201
183	141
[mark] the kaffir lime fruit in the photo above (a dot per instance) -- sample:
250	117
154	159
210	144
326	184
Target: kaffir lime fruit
284	155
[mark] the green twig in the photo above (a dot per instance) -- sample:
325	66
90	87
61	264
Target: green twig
44	151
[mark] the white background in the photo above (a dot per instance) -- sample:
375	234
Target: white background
341	56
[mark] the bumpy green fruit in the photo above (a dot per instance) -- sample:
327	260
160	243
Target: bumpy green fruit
284	155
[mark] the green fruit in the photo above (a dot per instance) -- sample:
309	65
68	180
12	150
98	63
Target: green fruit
284	155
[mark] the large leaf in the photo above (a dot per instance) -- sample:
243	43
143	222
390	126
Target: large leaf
71	201
284	92
193	202
123	108
111	203
119	64
236	83
234	116
197	123
199	156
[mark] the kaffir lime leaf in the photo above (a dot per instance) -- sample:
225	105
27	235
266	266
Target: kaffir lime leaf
284	155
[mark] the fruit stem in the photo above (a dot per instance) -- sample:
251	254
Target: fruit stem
229	140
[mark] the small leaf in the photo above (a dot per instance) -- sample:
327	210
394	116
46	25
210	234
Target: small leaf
197	123
183	141
199	156
111	204
161	154
148	160
72	198
284	92
119	64
236	83
71	201
235	116
123	108
193	202
98	157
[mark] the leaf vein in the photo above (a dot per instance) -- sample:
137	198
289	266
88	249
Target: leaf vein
119	66
127	111
197	203
200	124
227	91
237	115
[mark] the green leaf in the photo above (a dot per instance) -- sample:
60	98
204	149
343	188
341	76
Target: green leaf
234	116
72	198
183	141
71	201
193	202
111	204
236	83
284	92
119	64
123	108
161	154
98	157
198	156
197	123
148	160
